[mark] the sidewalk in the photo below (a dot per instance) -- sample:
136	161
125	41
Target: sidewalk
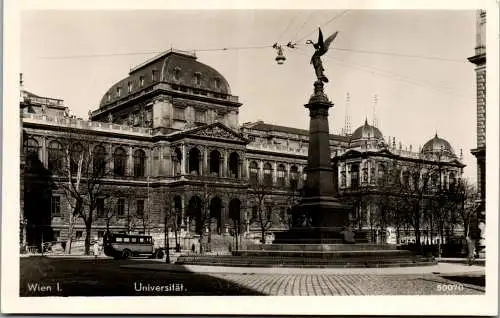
443	268
461	260
62	255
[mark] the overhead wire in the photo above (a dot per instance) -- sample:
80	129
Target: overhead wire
391	75
287	27
301	27
323	25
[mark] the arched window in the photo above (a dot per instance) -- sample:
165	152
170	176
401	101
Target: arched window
452	179
405	178
76	158
31	148
280	178
31	152
268	175
194	161
354	170
382	174
55	156
99	160
215	160
234	165
254	172
139	163
119	162
294	177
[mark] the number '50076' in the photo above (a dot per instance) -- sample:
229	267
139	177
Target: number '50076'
450	287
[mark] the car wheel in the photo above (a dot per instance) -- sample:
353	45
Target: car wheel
125	254
159	254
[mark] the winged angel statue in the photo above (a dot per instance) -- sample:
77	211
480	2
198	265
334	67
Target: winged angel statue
321	48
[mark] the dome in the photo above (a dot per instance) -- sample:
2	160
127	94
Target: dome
436	145
367	132
173	67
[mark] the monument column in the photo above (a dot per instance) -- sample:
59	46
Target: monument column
319	206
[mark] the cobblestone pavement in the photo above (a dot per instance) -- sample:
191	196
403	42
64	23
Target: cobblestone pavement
363	284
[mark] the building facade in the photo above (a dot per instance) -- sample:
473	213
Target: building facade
479	60
167	138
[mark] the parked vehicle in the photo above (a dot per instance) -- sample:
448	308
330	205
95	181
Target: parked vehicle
124	246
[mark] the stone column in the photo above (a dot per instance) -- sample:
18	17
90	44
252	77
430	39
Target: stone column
240	168
261	170
319	202
225	173
44	156
130	165
111	161
206	168
183	160
274	176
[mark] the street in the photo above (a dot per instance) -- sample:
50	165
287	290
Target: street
81	276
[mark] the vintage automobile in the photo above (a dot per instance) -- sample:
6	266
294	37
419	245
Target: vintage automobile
123	246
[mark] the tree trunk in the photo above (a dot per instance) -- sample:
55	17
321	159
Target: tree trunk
88	229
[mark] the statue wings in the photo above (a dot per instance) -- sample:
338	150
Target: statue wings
328	40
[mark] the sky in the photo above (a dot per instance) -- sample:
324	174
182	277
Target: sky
415	61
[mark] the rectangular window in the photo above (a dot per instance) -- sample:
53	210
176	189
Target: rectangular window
154	75
200	116
254	212
100	234
100	207
141	81
120	207
78	235
126	239
57	236
119	239
269	212
130	86
56	206
132	240
118	91
179	113
140	208
141	239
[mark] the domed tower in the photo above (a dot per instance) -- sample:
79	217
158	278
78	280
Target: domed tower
366	136
438	147
172	91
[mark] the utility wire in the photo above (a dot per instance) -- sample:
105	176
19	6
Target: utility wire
396	54
301	27
155	52
391	75
287	27
323	24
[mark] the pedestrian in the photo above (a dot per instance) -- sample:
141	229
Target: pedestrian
96	249
470	250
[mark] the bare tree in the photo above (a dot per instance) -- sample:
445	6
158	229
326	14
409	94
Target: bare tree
170	218
260	193
80	166
110	211
467	203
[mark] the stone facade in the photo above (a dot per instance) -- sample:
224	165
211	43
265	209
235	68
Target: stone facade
479	60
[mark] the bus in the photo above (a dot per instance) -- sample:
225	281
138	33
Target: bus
124	246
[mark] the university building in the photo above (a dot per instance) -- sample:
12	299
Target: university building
167	136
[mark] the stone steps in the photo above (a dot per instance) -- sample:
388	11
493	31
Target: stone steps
240	261
366	254
320	247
